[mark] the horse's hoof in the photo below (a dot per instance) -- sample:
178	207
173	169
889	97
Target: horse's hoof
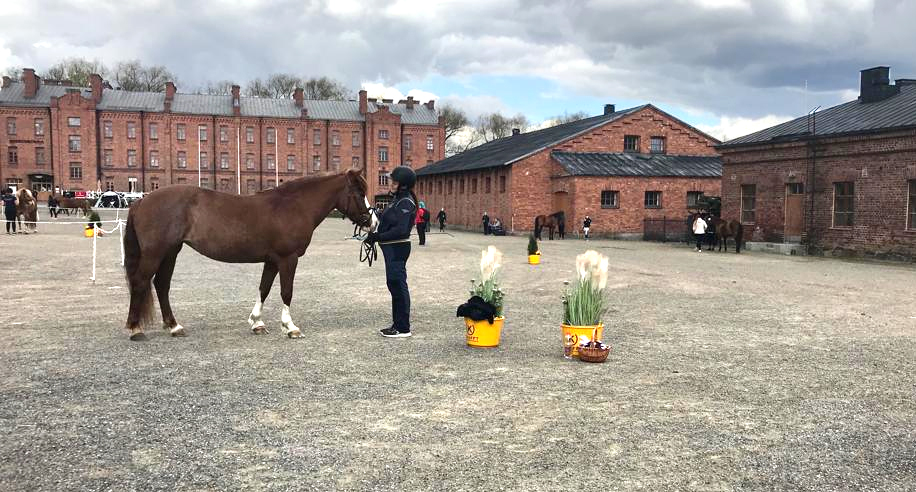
294	334
178	331
138	337
260	330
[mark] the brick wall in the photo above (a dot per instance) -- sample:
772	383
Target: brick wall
25	142
464	205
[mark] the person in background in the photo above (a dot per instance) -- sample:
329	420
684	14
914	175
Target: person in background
426	217
486	223
441	219
9	209
53	204
422	214
586	226
699	229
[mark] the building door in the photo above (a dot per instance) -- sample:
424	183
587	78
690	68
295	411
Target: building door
795	212
561	203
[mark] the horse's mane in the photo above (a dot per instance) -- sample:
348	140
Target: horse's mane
27	192
296	185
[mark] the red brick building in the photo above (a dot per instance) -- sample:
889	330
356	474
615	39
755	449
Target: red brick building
71	138
841	181
620	168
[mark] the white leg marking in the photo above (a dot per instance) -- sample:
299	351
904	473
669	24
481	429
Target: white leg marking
254	319
291	329
177	330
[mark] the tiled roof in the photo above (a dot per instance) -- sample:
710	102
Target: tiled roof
632	164
897	111
505	151
219	105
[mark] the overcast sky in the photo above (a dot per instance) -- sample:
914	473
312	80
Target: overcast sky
727	66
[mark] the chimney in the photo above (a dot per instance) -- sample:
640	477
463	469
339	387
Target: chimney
875	85
608	109
431	104
95	82
410	102
516	131
169	96
363	102
7	81
31	82
387	101
297	96
236	101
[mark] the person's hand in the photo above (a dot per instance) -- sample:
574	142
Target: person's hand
372	238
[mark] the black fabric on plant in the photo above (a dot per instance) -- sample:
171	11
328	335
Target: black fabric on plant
477	309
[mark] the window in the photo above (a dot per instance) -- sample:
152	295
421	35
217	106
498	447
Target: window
224	184
204	182
271	135
271	184
131	158
356	138
12	155
911	208
109	185
271	161
202	132
693	198
154	158
107	129
335	138
224	160
131	129
223	133
795	188
39	127
748	204
154	134
204	160
610	199
653	199
182	159
154	184
355	163
11	126
383	154
316	163
249	134
39	156
461	186
335	163
73	121
657	145
631	143
180	131
291	163
502	184
439	186
486	185
290	136
108	158
249	161
382	178
181	181
74	143
408	163
251	186
76	170
449	187
407	142
429	143
383	134
843	204
316	136
474	185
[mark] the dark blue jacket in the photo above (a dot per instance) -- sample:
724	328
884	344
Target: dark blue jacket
398	219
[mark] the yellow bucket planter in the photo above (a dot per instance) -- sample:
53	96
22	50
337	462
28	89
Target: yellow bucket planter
575	332
89	232
534	259
483	333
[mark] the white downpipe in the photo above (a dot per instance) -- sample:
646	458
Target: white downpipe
198	156
276	158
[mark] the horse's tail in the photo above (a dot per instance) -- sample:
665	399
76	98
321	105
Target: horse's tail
141	294
537	227
739	235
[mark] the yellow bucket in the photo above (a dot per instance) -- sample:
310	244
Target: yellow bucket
89	232
574	332
534	259
482	333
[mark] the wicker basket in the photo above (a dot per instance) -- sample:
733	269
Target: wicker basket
594	354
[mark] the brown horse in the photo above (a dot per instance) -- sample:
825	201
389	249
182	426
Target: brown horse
555	221
27	210
728	229
74	203
273	227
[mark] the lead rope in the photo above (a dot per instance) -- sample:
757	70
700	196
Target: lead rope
368	252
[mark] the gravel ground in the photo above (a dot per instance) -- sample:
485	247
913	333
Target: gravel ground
728	372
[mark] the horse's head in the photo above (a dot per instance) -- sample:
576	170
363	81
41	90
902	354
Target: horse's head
354	203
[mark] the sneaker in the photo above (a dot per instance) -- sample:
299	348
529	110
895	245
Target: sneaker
392	333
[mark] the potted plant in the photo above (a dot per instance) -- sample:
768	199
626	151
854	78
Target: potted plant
534	254
483	332
94	221
584	304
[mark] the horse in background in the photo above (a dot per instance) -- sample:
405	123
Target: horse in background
728	229
555	221
66	204
27	210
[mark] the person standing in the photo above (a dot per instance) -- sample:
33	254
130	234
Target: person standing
699	229
9	209
53	203
586	226
441	219
393	235
422	214
486	223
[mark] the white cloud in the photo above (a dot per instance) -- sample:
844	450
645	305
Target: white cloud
729	128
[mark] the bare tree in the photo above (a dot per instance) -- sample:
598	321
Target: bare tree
257	88
12	72
459	135
76	70
324	88
133	76
282	85
567	118
219	88
494	126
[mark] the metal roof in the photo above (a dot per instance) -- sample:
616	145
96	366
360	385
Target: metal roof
14	95
506	150
633	164
113	100
896	111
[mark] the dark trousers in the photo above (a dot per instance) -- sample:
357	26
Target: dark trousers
396	277
699	238
441	226
53	211
10	218
486	228
421	231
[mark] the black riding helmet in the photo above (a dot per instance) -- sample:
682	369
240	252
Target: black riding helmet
404	176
